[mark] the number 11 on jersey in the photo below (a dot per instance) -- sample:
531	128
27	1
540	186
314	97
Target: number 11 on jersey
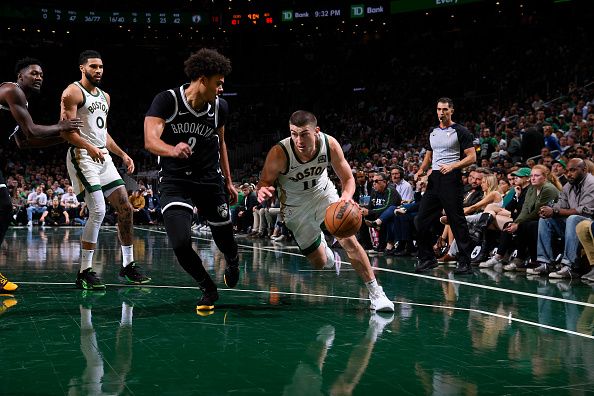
309	184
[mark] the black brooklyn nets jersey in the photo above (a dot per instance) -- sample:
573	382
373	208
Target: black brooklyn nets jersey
197	128
8	127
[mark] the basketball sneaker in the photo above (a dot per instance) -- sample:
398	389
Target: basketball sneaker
132	274
231	275
6	285
379	301
88	280
206	302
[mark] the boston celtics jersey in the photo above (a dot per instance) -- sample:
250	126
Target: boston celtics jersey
93	113
302	181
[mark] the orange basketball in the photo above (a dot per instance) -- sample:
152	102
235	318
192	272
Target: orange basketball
343	219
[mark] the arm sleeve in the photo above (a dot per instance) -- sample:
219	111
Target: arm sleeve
464	137
586	202
428	143
563	202
163	106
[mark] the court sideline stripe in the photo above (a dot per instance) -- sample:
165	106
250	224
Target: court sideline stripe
477	285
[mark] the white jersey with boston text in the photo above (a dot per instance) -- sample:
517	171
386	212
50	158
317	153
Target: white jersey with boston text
302	182
93	113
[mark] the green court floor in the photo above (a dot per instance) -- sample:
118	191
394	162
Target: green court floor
285	329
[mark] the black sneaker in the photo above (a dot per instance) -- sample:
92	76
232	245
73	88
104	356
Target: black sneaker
88	280
132	274
425	265
206	302
231	276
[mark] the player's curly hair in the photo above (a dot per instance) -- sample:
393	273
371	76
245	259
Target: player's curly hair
206	62
24	63
301	118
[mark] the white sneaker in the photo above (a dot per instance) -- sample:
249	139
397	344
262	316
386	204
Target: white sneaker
30	223
379	301
377	323
490	263
564	273
280	238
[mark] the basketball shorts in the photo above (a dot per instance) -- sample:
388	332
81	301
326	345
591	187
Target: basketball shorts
305	221
212	200
88	175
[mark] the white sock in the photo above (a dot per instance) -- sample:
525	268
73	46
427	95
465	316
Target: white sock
372	285
126	315
85	318
329	258
127	254
86	259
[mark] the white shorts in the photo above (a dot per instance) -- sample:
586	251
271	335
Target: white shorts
88	175
305	221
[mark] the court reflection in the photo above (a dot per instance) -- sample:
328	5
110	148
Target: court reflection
104	373
308	378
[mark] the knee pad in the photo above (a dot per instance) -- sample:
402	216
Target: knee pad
96	205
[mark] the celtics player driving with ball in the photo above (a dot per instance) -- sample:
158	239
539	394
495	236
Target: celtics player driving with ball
298	164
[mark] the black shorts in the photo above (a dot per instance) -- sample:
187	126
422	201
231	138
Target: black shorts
212	200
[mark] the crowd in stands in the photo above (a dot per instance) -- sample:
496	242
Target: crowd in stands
525	108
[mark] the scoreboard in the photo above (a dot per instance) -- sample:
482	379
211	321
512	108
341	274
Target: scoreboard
263	14
116	17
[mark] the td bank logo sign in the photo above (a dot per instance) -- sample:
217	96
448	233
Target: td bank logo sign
359	10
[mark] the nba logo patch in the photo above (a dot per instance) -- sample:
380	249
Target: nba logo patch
223	210
322	158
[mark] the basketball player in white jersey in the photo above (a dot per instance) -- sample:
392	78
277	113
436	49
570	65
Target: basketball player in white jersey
299	165
93	173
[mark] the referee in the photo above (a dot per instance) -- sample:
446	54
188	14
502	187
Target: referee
450	151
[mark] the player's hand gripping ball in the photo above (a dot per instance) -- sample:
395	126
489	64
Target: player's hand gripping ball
343	219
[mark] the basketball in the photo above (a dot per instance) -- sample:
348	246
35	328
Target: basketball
343	219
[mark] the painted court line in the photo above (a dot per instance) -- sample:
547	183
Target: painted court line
477	285
509	317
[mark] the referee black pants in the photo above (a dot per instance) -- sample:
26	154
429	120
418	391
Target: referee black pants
443	192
